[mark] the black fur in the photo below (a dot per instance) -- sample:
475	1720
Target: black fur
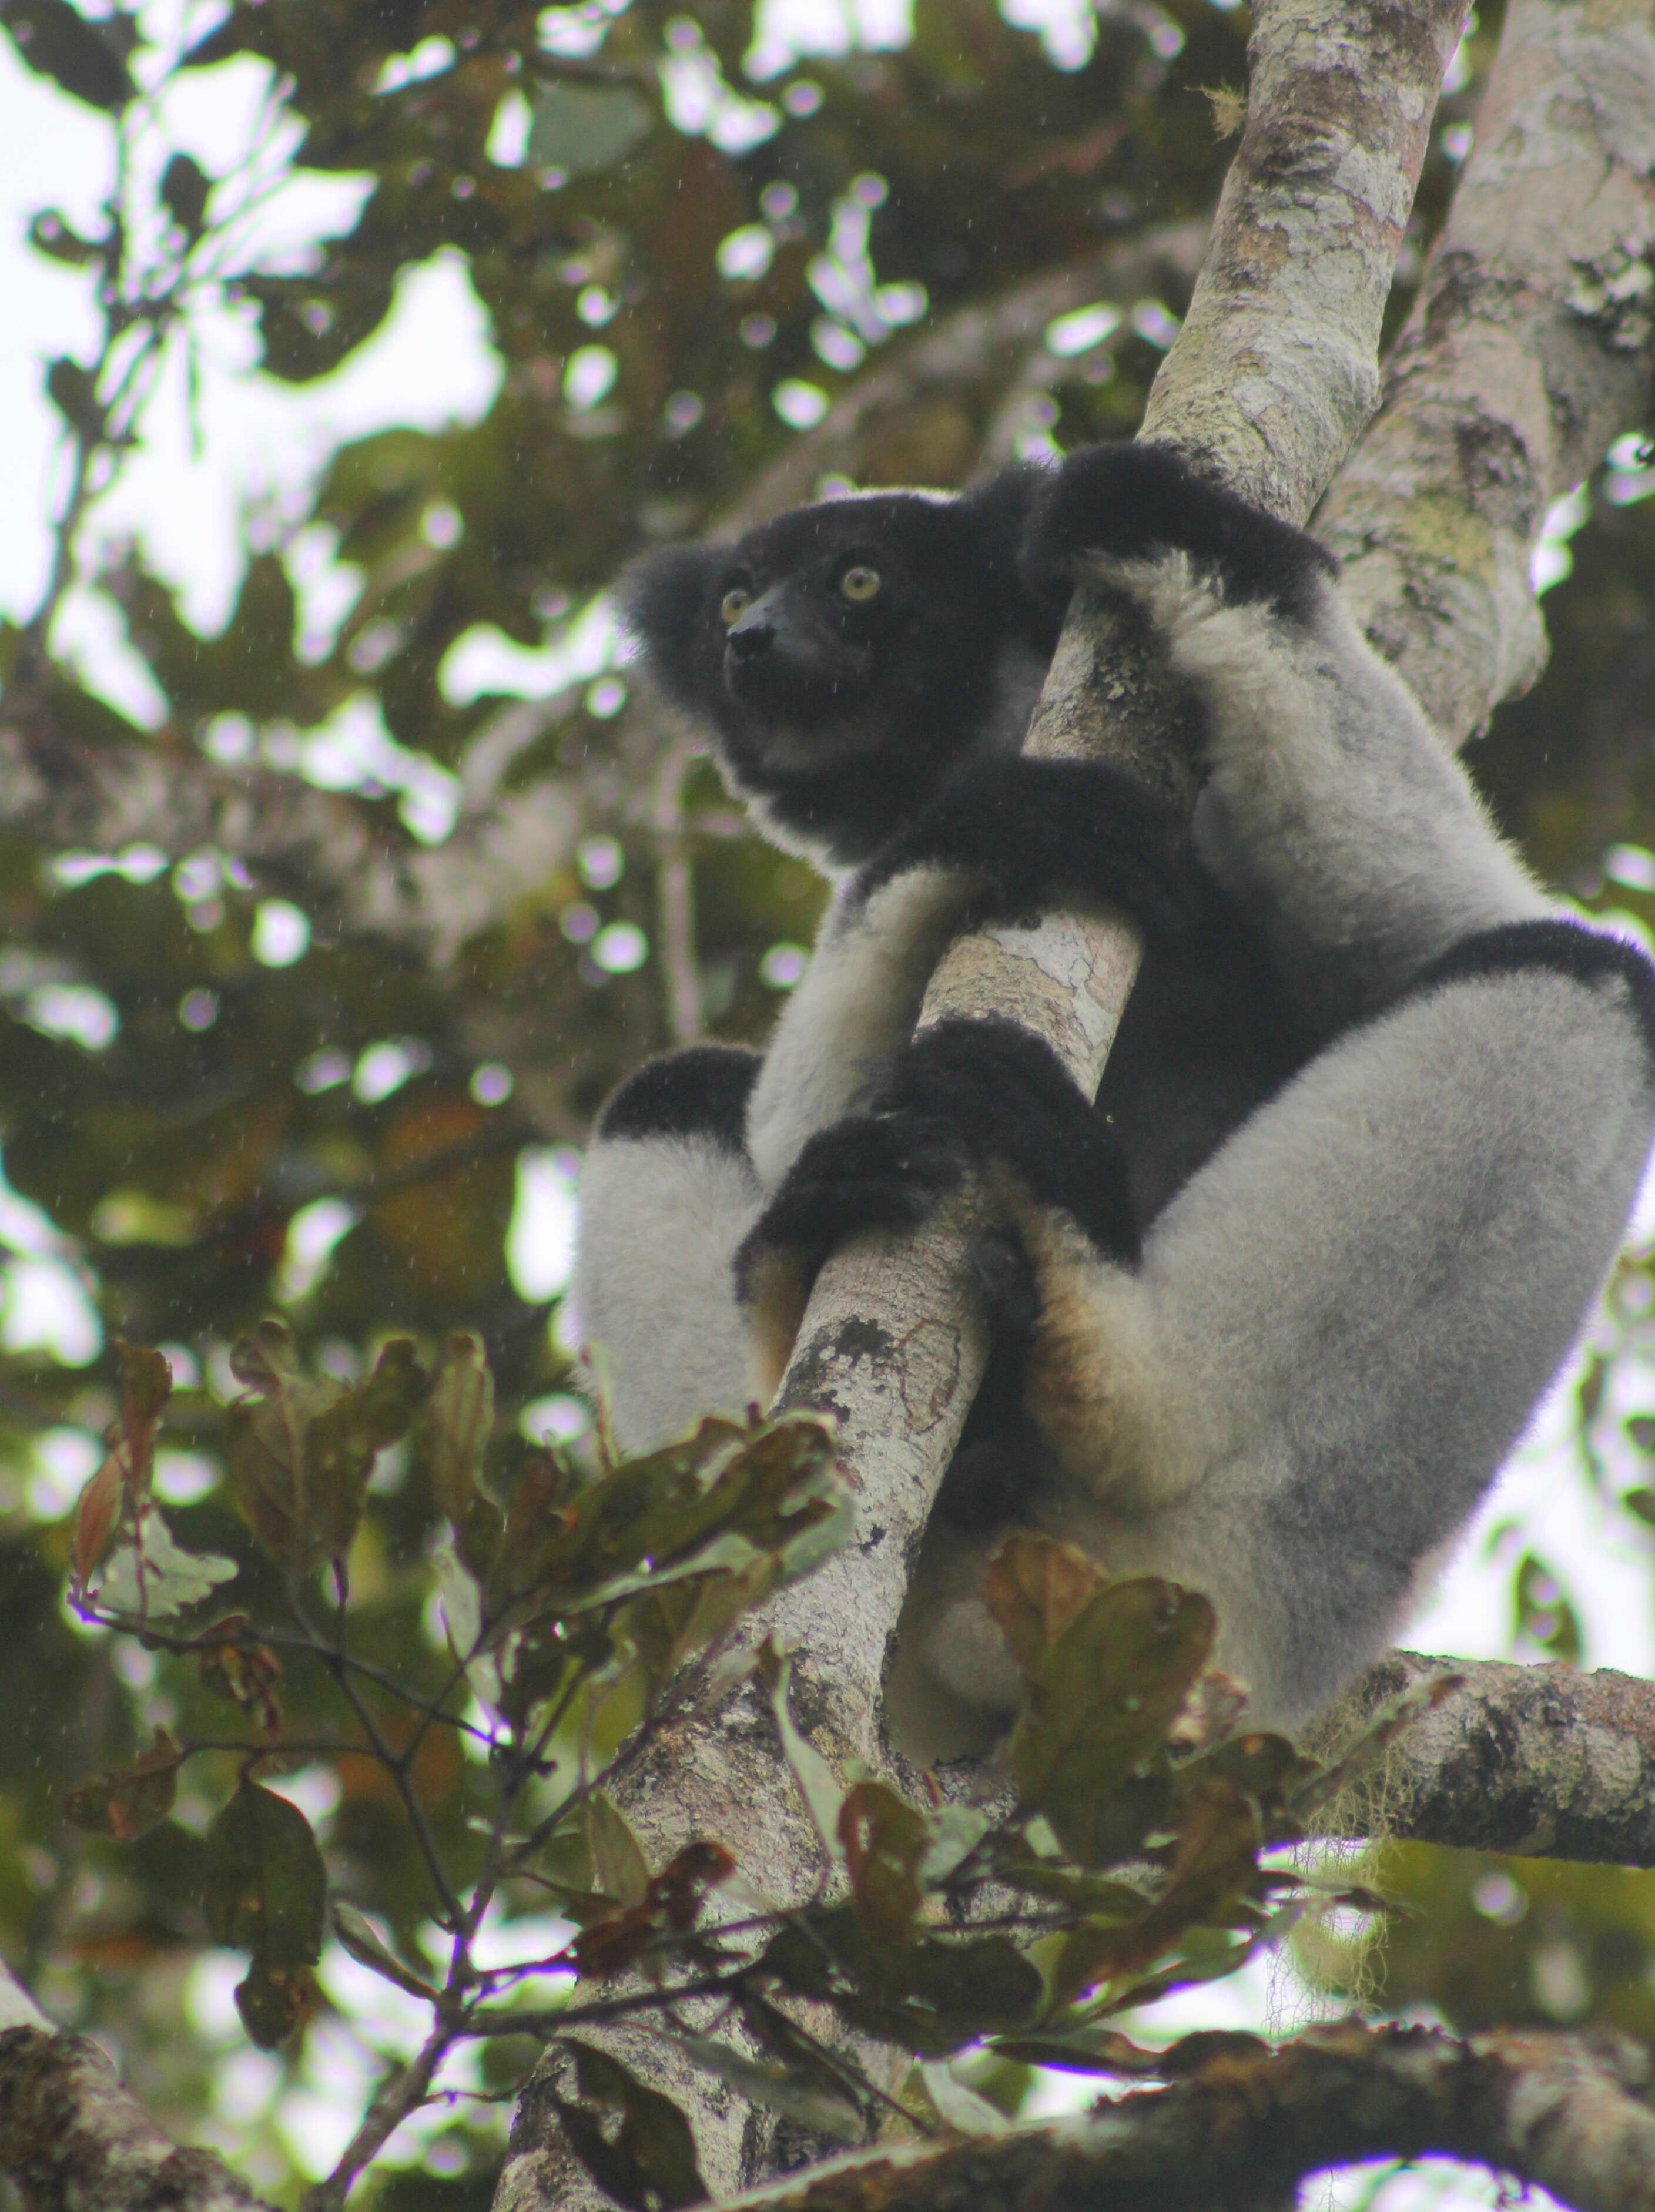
700	1092
962	1095
1133	502
1033	830
1566	947
908	678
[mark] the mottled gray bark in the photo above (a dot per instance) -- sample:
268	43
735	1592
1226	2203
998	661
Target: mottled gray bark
73	2140
1249	2123
1538	1761
1530	348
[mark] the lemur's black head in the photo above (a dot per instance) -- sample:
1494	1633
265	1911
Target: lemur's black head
842	658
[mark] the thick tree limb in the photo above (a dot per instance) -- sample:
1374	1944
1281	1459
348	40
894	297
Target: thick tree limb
73	2140
1530	348
1538	1761
1251	2123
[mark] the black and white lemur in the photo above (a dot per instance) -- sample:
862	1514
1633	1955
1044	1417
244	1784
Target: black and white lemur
1270	1316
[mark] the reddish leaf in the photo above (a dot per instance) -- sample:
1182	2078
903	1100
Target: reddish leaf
131	1802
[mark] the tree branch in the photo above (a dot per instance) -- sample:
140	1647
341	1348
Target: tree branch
1262	381
71	2136
1530	348
1535	1760
1249	2124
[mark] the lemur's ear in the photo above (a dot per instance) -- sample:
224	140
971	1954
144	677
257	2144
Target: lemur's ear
663	599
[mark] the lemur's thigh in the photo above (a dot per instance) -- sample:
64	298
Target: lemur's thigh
666	1195
1341	1326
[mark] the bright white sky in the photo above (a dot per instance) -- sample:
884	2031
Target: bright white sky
430	365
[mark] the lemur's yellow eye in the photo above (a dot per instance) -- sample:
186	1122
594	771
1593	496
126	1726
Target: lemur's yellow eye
859	584
735	604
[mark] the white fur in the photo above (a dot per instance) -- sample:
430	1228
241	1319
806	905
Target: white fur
660	1220
856	1003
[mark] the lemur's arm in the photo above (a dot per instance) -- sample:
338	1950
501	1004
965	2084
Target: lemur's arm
1003	836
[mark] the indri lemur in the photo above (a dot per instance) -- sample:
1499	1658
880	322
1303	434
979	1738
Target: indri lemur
1270	1316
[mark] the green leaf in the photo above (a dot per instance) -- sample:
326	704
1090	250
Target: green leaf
884	1839
157	1581
274	2001
618	1864
584	126
935	1994
73	390
633	2140
818	1784
824	2106
54	38
451	1437
368	1947
301	1449
51	234
959	2106
1087	1752
266	1886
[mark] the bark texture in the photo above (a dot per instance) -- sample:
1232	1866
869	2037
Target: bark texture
1530	350
1249	2123
1536	1760
74	2140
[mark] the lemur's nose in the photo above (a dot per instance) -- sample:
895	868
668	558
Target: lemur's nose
747	639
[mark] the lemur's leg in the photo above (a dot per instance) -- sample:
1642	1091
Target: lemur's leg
666	1195
1338	1329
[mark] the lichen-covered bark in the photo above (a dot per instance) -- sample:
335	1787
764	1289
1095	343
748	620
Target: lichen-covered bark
73	2140
1249	2123
1538	1761
1530	350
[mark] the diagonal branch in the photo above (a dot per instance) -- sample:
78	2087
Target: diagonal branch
1249	2123
1541	1761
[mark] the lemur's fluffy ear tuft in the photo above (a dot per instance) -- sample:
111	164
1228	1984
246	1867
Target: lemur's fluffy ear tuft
661	599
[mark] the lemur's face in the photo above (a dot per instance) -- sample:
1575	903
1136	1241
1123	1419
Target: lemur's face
818	632
840	657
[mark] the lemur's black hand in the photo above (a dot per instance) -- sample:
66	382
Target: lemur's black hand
1034	832
1134	502
963	1095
